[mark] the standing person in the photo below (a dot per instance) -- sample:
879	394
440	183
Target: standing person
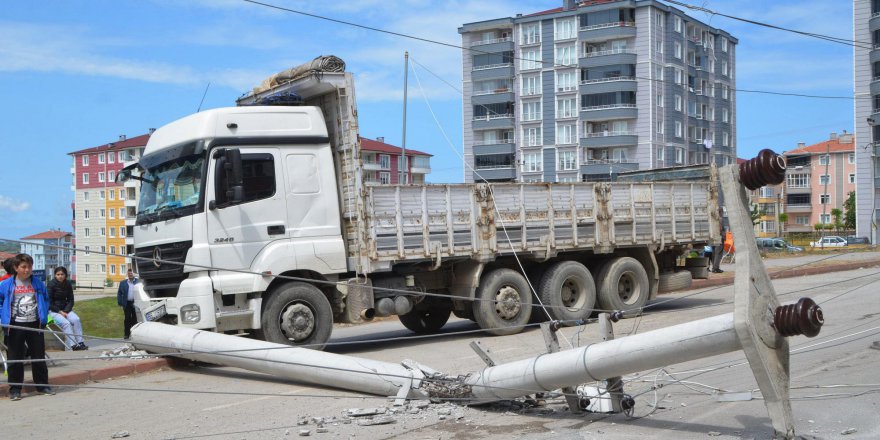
24	305
717	249
61	309
125	299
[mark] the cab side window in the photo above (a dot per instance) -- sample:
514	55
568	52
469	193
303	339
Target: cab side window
258	178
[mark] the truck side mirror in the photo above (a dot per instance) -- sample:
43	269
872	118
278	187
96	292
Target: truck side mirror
234	176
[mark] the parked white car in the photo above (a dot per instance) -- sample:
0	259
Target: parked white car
829	241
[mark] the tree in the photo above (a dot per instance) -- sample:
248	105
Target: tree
756	214
837	214
783	219
849	218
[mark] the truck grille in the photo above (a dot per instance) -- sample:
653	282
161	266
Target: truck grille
169	253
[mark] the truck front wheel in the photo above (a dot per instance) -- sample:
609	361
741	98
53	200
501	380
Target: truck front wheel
504	302
297	314
427	318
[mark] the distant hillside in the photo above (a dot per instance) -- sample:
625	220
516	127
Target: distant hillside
8	246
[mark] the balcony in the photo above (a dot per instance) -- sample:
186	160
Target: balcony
611	84
611	111
493	121
492	41
798	190
609	139
608	166
500	146
608	58
376	166
495	173
492	71
607	31
799	208
497	96
130	202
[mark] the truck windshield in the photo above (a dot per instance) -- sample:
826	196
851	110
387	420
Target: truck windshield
171	189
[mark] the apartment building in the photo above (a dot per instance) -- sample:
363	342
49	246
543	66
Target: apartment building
818	179
104	211
382	163
593	88
49	250
866	67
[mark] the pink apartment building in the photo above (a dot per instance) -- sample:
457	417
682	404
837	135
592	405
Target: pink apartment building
818	179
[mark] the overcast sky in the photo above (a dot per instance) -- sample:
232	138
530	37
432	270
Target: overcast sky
78	73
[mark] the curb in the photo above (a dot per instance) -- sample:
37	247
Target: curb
93	375
789	273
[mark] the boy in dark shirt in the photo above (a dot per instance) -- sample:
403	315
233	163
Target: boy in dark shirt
24	302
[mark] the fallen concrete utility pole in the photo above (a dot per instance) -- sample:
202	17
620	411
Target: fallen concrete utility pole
758	326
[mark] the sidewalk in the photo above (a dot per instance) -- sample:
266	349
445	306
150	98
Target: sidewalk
797	266
76	367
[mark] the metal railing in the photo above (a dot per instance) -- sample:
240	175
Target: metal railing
492	66
607	134
492	41
607	161
492	92
494	167
602	53
608	25
607	106
494	142
608	79
491	117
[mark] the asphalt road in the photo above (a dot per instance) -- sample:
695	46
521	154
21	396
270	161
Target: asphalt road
224	403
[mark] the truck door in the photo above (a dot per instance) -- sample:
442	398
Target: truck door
238	231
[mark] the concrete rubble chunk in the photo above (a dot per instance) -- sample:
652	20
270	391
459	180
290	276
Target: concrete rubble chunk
321	430
365	412
305	432
120	434
376	421
849	431
714	433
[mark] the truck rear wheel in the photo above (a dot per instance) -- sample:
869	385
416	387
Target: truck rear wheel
568	291
623	285
504	302
297	314
426	320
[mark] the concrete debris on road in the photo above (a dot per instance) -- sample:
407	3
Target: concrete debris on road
126	351
384	420
364	412
120	434
849	431
305	432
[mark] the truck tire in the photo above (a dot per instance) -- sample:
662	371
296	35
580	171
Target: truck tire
297	314
503	303
672	281
426	322
568	291
623	285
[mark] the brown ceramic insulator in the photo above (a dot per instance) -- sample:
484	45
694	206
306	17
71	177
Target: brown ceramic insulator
767	168
803	318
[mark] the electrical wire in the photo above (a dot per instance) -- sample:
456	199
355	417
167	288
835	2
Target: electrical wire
543	63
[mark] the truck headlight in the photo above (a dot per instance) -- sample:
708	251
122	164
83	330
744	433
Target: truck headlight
190	314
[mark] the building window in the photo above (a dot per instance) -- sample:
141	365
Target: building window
87	250
676	46
825	218
565	134
660	129
103	232
122	231
678	129
679	156
85	178
824	179
566	55
852	178
566	108
531	34
851	158
676	21
678	76
111	157
658	20
565	29
113	213
86	196
113	250
86	232
798	180
725	115
723	44
566	81
101	176
531	85
112	194
122	268
102	213
532	162
101	158
530	59
88	268
766	192
824	199
111	176
103	268
660	100
678	103
660	47
802	220
725	70
532	136
493	161
85	160
567	160
531	111
823	159
86	214
121	156
384	161
725	139
121	194
725	92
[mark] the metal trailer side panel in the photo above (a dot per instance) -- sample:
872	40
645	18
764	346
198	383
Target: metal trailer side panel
479	221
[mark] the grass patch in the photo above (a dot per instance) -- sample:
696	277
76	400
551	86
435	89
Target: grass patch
101	317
